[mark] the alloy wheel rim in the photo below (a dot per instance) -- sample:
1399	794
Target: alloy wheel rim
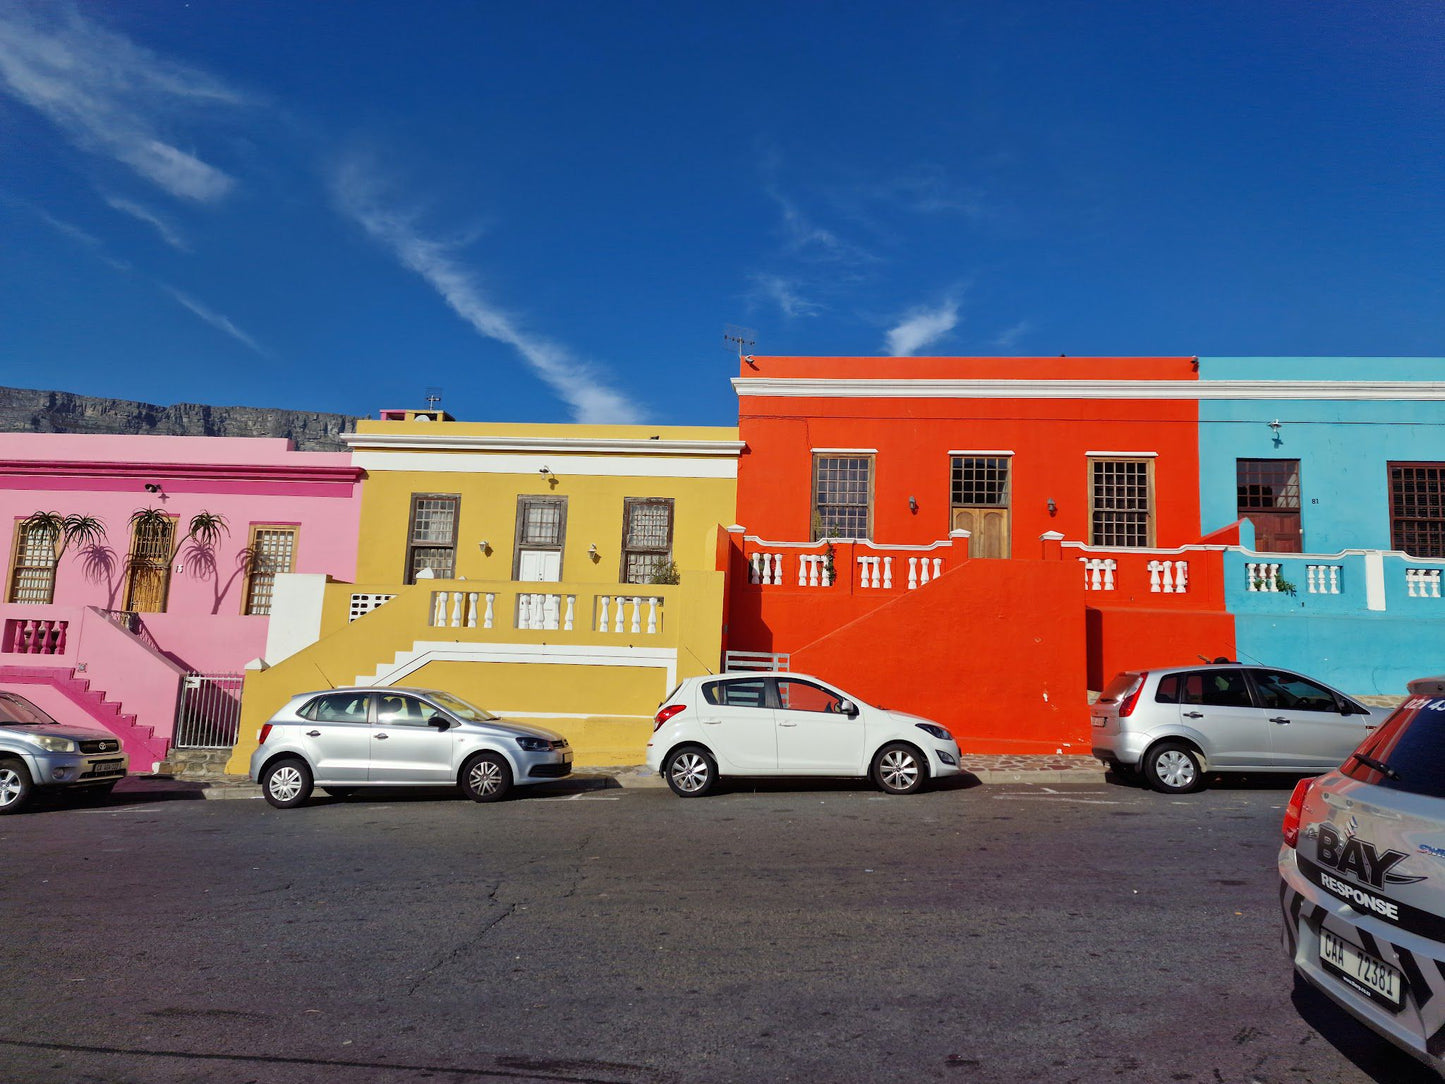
689	772
898	770
486	777
9	786
1175	769
285	784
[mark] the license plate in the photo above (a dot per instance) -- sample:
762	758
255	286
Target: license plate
567	757
1373	977
1101	720
104	767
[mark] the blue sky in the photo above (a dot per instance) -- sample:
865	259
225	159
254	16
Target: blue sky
553	210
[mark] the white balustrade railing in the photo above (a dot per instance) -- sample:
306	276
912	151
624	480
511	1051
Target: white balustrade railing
1423	582
1263	576
814	570
1323	579
1099	573
919	571
629	613
462	609
765	568
875	573
536	610
1169	577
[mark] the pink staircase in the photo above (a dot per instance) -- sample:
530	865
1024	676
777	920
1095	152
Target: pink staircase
140	742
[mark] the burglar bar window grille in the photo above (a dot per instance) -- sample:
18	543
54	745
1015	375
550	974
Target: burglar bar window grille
1417	508
432	536
32	579
1121	503
1268	485
980	481
647	538
273	551
149	573
541	522
842	496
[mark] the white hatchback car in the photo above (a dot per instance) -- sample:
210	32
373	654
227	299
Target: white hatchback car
790	724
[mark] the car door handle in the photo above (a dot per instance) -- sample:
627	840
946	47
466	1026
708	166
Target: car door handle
787	724
381	737
313	733
711	722
1194	715
1279	719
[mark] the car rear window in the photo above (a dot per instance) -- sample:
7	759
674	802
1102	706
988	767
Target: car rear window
1119	686
1168	691
1412	744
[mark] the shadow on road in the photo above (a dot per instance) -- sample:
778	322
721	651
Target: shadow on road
1372	1054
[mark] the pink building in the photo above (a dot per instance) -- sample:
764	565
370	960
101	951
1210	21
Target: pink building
146	630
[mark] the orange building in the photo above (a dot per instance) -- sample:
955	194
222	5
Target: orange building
931	533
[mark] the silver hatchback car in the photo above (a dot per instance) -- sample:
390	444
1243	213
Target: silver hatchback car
1176	724
1362	872
344	739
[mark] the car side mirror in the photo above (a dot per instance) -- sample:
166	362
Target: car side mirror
848	708
441	722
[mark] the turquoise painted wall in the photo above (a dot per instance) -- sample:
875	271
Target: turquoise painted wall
1343	448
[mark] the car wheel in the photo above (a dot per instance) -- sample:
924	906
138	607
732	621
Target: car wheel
1173	768
15	786
286	782
486	777
340	792
690	771
899	769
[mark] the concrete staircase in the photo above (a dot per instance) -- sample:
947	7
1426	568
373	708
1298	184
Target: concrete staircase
140	742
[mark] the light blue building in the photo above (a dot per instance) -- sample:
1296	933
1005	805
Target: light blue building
1339	465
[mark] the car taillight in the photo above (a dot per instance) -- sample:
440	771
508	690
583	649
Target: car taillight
1295	811
664	714
1126	706
265	731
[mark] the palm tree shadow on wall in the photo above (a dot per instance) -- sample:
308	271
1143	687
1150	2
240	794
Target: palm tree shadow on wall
201	557
100	564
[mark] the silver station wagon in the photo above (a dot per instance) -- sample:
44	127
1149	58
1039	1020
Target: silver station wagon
345	739
1362	878
1177	723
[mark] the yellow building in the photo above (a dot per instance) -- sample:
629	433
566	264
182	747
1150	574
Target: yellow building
562	573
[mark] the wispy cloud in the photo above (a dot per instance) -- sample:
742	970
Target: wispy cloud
168	233
1006	338
110	95
921	326
784	292
90	241
215	319
360	195
804	238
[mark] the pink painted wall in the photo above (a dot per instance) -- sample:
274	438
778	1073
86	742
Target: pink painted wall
248	481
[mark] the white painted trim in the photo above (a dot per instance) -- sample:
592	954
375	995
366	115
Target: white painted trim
942	544
1420	562
546	445
845	451
579	466
424	651
1343	390
1121	455
979	451
1374	581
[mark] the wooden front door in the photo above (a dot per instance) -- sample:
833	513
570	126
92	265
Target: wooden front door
148	577
988	530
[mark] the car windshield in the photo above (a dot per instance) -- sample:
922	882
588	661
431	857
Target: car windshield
16	709
1411	744
461	709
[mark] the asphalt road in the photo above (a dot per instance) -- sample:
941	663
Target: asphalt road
791	932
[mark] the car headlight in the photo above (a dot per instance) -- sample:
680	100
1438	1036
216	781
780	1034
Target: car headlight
534	745
54	745
934	731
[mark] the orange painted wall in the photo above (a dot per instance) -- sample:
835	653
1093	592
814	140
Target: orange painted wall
1133	639
992	650
1049	439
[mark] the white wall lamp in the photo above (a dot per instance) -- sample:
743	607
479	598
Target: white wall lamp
913	505
485	547
593	554
1053	508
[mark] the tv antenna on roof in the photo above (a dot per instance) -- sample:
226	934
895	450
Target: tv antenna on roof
433	398
742	336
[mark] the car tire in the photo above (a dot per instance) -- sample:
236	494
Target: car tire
15	786
286	783
899	768
690	771
340	792
487	777
1172	767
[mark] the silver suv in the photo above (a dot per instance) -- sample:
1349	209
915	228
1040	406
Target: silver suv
1178	723
39	753
1363	872
344	739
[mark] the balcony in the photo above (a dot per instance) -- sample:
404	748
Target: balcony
848	567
